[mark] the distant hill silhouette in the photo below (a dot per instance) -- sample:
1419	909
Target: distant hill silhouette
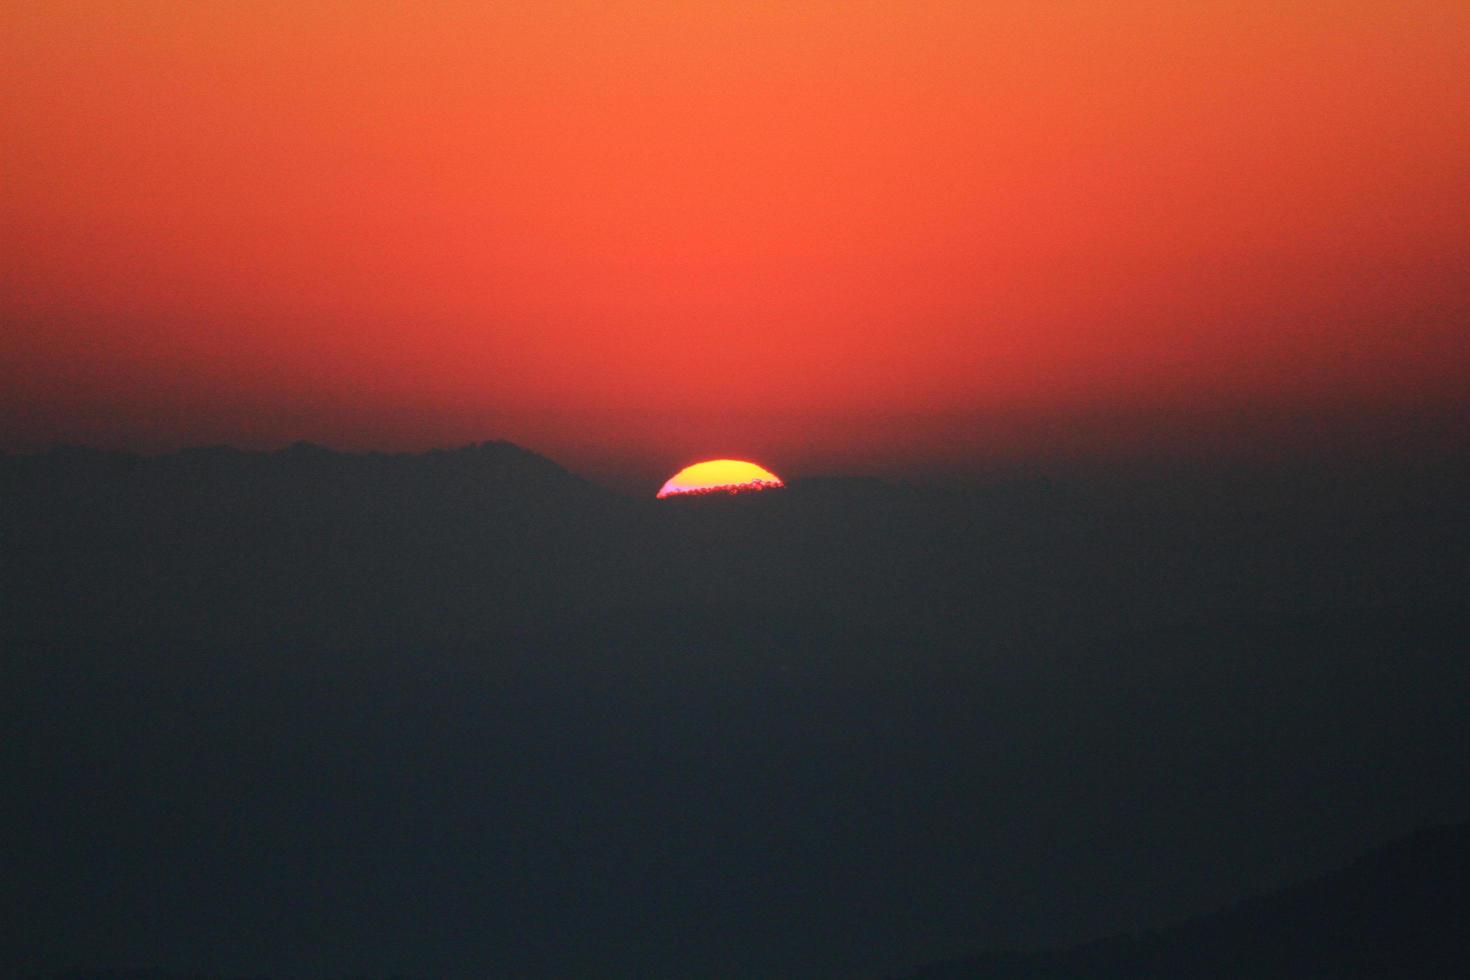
176	975
1399	911
144	975
462	713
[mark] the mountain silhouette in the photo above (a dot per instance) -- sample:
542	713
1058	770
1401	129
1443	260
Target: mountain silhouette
1398	911
463	713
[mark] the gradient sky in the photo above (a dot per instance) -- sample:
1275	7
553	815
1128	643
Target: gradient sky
634	234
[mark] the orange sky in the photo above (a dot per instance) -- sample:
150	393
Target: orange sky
811	233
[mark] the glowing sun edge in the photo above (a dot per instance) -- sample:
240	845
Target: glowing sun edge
723	488
703	478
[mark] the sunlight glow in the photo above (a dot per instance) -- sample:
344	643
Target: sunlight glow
720	476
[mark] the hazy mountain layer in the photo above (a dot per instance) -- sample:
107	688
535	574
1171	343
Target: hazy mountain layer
463	714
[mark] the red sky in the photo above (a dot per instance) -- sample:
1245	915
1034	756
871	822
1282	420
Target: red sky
822	235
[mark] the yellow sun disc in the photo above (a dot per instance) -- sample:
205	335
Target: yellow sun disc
720	476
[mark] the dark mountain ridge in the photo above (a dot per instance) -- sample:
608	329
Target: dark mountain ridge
1397	911
460	714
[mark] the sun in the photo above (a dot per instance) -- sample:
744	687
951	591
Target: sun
720	476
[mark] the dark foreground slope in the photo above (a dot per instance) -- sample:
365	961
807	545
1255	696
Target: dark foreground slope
1399	911
463	714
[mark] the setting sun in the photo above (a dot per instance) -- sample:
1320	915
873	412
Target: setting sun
720	475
